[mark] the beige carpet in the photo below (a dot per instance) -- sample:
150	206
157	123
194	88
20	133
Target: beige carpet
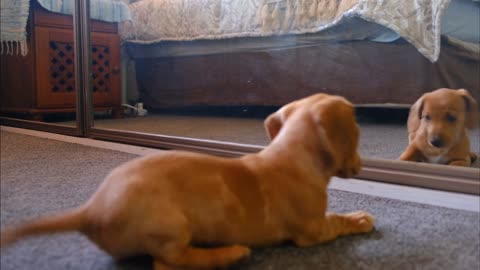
40	176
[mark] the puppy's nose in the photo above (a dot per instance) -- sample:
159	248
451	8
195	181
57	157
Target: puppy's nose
436	142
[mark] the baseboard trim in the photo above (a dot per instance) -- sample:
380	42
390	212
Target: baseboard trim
41	126
218	148
449	178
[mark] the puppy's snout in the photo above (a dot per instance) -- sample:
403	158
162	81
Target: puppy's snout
436	142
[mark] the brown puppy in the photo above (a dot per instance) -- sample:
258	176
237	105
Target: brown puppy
168	204
437	127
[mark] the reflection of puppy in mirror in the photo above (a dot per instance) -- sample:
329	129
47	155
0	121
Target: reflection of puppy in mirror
168	204
437	128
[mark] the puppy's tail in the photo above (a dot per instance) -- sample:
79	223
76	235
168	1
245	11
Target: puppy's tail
73	220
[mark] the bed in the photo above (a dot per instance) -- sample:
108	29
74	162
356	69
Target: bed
269	52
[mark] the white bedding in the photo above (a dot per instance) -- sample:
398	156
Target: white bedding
418	21
349	29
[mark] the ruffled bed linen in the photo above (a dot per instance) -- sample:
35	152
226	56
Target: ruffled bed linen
417	21
350	29
14	16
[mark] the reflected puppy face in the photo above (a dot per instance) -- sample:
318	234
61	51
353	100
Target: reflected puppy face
337	129
443	115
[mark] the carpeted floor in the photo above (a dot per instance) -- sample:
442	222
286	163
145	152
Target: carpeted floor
40	176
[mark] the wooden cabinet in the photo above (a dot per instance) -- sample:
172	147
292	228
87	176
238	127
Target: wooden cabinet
43	81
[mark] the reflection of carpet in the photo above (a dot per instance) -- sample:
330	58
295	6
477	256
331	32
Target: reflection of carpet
384	140
42	176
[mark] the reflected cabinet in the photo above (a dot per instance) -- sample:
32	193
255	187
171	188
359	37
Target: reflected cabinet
43	81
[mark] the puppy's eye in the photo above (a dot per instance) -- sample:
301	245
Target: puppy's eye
451	118
427	117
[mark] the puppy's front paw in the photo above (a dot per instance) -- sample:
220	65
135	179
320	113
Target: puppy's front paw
362	221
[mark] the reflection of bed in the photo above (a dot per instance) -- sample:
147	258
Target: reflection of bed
345	55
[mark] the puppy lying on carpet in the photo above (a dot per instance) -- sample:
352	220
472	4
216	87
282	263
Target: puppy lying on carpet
437	126
168	204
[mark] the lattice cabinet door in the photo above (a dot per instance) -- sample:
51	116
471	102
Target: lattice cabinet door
56	72
106	79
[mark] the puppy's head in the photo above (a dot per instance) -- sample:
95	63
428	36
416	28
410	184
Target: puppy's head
442	116
335	128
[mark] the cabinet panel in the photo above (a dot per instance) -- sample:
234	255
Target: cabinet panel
17	82
55	68
43	81
105	68
56	73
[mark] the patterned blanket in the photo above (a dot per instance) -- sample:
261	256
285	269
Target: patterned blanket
13	23
14	16
418	21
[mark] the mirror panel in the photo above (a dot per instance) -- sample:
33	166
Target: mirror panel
222	88
37	75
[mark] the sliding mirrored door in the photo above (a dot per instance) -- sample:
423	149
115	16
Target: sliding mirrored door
39	84
211	93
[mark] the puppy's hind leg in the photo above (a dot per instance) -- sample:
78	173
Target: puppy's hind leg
188	257
334	225
205	258
170	246
159	265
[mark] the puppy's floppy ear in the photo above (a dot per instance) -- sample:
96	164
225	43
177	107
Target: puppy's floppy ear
471	107
326	149
332	128
415	114
273	124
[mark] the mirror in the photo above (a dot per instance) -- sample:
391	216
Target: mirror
192	73
37	65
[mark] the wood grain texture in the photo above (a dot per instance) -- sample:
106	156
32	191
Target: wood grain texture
43	81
